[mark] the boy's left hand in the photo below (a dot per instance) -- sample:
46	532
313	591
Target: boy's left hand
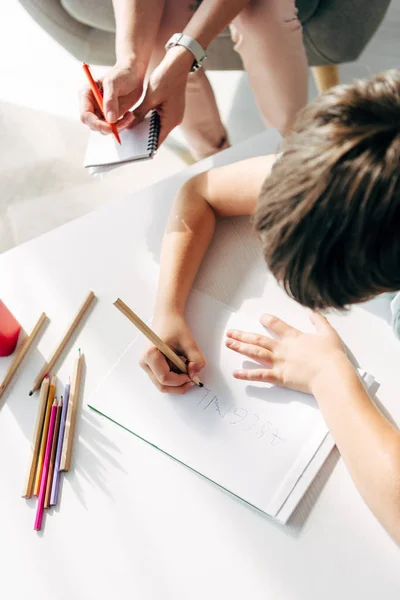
295	360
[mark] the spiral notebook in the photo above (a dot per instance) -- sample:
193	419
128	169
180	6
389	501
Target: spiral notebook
139	143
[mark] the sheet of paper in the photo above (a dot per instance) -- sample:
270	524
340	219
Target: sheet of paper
253	440
104	152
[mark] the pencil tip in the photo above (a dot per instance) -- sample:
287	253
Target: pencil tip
31	393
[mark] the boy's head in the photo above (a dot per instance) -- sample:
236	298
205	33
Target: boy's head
329	213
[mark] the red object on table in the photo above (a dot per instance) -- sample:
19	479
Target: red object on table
9	331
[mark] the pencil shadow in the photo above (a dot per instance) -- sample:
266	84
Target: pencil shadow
90	444
33	354
93	451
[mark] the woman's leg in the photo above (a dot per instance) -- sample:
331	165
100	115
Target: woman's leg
268	36
201	125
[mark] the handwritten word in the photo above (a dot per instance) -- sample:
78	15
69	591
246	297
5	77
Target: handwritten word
236	415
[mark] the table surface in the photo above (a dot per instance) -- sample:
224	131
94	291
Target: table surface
131	522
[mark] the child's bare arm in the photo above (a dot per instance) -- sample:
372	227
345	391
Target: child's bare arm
317	363
227	191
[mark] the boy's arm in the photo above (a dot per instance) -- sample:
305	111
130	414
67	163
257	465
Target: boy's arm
317	364
227	191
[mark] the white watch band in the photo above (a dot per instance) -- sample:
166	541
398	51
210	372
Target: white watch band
180	39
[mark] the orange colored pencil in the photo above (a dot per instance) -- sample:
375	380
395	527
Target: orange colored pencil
99	99
45	430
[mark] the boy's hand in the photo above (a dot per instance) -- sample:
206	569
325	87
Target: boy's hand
173	330
295	360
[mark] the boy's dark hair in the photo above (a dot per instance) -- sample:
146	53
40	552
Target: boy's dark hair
329	213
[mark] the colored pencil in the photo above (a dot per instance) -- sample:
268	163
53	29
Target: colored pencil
35	446
45	430
53	455
48	367
154	339
70	421
56	479
43	480
99	99
20	354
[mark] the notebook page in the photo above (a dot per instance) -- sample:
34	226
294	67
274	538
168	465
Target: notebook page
246	438
104	150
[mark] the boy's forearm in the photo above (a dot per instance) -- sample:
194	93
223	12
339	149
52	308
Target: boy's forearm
189	232
368	443
137	24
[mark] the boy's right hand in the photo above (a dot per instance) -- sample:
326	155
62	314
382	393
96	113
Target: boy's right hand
122	88
173	330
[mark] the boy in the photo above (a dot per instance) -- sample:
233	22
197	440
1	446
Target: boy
328	219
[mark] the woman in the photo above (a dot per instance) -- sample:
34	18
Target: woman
267	36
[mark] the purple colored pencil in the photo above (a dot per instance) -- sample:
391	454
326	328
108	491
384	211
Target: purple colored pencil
56	478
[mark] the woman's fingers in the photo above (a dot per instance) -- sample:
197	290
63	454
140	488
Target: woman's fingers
279	327
89	113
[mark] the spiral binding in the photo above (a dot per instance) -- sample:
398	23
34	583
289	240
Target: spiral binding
154	133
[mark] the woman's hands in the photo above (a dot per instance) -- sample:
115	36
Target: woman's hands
122	88
295	360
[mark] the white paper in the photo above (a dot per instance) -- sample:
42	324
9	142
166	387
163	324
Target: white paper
104	153
251	439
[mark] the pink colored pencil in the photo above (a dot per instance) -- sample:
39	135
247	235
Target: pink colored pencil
43	481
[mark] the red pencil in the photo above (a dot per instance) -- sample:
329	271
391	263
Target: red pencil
99	99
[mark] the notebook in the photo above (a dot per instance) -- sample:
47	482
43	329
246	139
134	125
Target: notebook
262	444
139	143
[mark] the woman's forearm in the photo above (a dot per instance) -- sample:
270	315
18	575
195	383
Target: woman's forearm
211	17
368	443
137	24
189	232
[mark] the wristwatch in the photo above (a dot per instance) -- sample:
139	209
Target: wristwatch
180	39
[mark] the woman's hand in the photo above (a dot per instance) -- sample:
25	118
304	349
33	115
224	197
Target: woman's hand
295	360
173	330
122	88
166	90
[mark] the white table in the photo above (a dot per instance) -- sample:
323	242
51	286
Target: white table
131	523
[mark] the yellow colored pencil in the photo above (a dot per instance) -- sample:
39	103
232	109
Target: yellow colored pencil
37	435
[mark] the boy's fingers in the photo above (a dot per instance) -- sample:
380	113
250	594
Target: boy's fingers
320	322
264	375
253	338
256	353
157	362
279	327
167	389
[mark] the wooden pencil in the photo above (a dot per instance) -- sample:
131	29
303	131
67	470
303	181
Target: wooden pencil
21	352
70	421
46	462
37	435
154	339
48	367
45	430
53	455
